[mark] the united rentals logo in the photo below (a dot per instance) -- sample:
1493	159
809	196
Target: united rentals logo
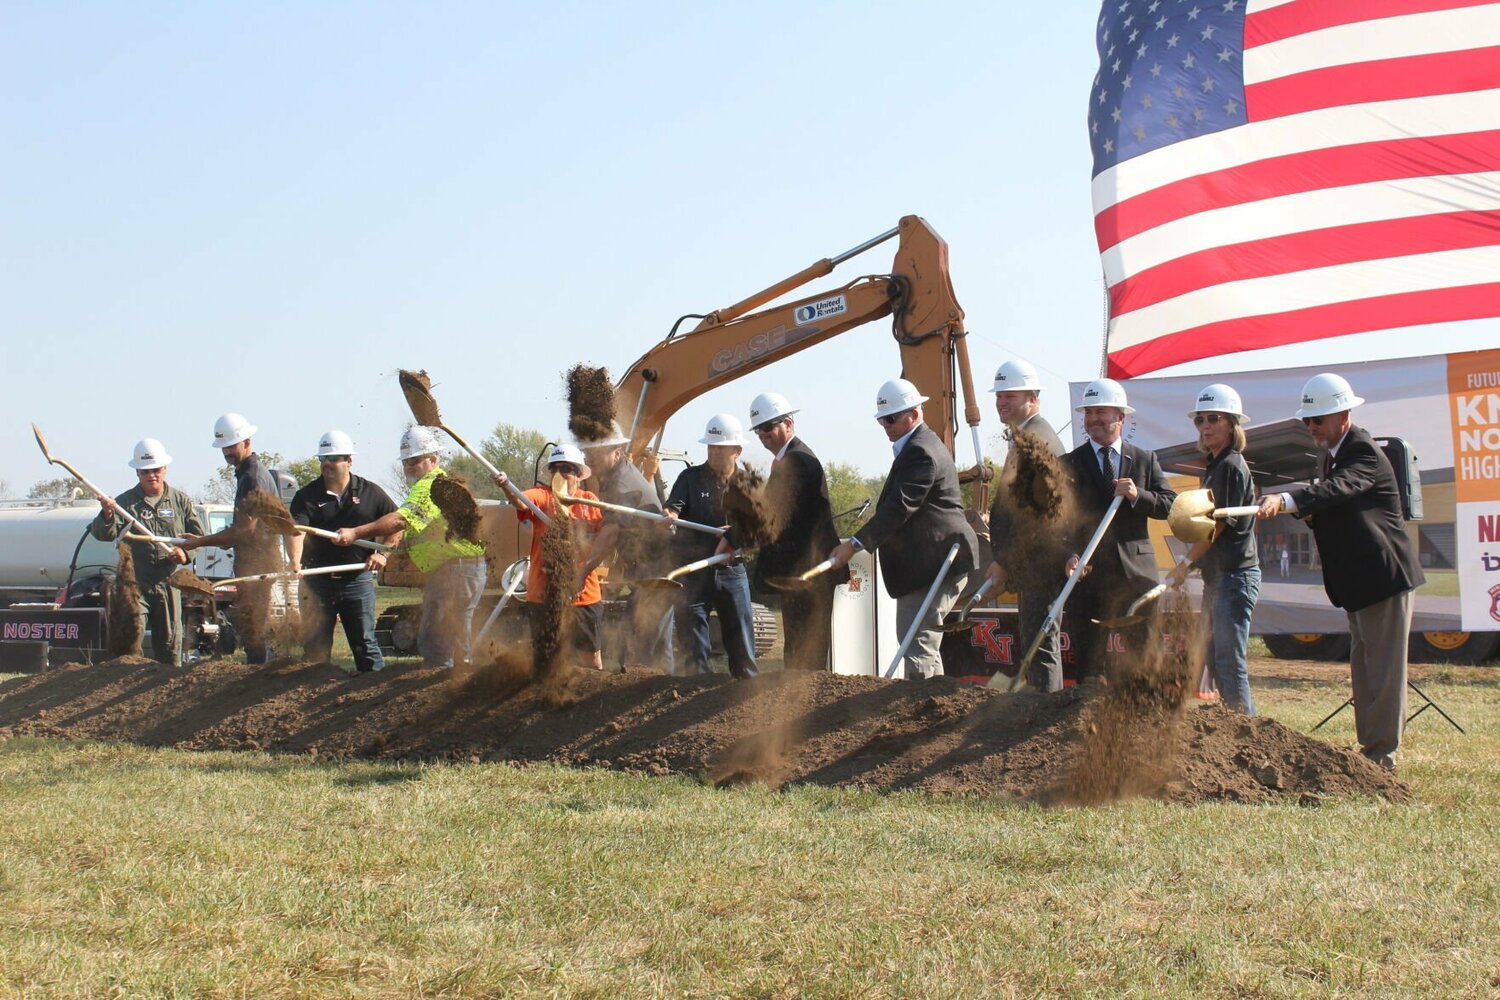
814	311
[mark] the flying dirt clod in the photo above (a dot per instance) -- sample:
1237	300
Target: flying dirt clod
591	402
451	496
124	599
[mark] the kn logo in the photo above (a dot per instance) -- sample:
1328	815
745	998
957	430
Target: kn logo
814	311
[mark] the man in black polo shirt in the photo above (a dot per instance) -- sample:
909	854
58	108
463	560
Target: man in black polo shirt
338	499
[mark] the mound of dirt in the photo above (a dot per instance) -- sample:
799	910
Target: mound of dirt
940	736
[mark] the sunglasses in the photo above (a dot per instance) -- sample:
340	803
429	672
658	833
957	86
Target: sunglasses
890	419
330	459
1313	421
1199	419
768	426
567	469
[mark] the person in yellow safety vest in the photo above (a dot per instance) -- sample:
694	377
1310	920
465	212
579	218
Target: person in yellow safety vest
455	567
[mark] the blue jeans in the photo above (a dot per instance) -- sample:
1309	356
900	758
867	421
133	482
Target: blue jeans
1229	599
729	595
352	601
449	598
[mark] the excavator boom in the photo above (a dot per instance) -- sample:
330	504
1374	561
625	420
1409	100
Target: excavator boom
730	343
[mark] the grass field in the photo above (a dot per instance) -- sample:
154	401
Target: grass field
135	872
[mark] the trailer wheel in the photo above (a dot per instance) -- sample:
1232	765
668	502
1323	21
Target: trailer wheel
1309	645
1454	647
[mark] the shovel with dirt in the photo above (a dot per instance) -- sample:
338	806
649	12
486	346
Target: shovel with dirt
803	580
417	388
1132	615
962	623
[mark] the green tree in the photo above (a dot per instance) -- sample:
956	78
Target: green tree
847	489
220	486
304	470
55	489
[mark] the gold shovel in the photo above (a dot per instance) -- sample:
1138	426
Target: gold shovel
670	581
801	581
1132	614
1193	514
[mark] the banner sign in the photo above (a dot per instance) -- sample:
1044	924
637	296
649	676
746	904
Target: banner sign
1447	407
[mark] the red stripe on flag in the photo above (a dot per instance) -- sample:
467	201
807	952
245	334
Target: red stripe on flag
1290	19
1302	251
1379	80
1384	312
1361	163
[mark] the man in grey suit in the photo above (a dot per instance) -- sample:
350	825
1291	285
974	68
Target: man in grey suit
1369	567
918	518
1124	565
1017	392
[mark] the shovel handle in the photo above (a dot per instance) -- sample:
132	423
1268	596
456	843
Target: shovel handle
916	623
132	536
693	567
363	543
707	529
510	488
1054	613
1223	512
518	576
818	570
287	574
54	460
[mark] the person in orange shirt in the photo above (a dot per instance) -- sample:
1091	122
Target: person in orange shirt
584	521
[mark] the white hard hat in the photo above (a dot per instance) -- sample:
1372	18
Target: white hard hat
1220	398
571	455
1104	392
724	429
897	396
149	453
1327	393
769	406
335	443
616	438
1017	375
418	441
230	429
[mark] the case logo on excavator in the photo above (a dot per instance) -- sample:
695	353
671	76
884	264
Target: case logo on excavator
814	311
755	347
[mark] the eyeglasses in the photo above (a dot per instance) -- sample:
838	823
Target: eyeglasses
1199	419
768	426
1313	421
330	459
891	419
567	469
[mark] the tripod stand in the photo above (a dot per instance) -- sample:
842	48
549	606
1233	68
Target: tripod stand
1429	703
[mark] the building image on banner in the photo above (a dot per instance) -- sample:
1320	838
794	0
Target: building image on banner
1445	409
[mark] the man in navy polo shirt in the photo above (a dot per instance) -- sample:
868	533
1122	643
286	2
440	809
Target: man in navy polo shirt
338	499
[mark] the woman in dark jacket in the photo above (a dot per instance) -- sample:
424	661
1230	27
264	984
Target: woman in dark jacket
1228	560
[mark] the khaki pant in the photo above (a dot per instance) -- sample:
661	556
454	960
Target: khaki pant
1377	673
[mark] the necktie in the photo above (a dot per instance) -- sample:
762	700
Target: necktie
1106	462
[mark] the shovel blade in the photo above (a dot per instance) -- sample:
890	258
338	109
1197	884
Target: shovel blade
41	443
417	388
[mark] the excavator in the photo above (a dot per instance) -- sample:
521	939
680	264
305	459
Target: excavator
927	324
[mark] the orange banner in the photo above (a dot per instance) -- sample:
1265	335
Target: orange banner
1474	407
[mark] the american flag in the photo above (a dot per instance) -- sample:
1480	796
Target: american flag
1280	171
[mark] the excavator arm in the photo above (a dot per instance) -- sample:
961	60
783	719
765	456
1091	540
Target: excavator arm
730	343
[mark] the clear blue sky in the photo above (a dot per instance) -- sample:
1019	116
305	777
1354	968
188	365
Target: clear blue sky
271	207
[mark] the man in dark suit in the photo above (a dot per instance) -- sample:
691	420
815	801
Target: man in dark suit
917	520
797	495
1017	392
1123	567
1369	567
